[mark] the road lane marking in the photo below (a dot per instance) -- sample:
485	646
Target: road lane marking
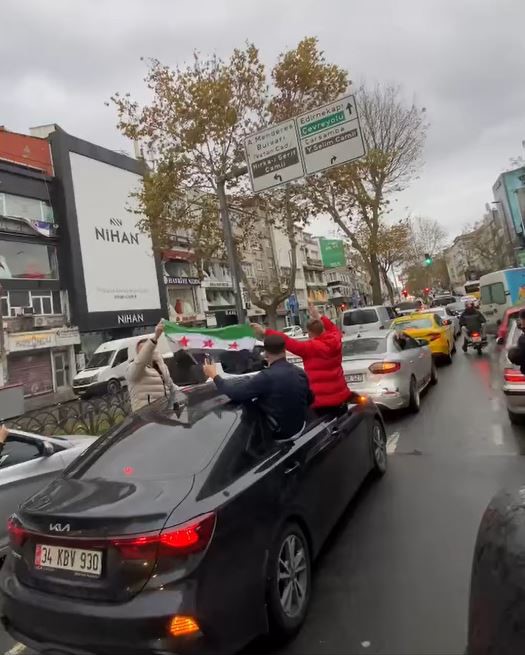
391	443
17	649
497	434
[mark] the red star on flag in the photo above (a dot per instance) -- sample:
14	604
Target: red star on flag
233	346
207	343
184	342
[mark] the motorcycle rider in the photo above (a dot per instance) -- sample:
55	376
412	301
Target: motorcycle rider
471	320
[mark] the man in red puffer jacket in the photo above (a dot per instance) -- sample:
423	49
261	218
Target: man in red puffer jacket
322	359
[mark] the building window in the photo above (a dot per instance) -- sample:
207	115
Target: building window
18	302
27	260
21	207
182	302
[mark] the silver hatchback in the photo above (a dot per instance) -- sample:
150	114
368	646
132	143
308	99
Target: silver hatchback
390	367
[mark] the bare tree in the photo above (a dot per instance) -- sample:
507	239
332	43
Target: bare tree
357	196
427	236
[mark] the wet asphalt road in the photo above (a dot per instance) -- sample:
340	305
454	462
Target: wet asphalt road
394	577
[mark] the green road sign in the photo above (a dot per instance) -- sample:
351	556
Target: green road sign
332	253
323	123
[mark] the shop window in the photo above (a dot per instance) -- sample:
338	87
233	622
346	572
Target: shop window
182	302
21	207
26	260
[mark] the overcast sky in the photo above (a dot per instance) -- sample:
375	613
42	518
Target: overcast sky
464	60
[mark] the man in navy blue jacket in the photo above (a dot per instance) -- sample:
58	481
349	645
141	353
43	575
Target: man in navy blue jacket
281	390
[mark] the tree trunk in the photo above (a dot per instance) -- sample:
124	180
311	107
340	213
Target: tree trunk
388	285
375	280
271	316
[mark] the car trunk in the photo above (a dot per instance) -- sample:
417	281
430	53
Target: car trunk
357	370
80	537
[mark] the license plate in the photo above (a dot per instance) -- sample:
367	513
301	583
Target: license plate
476	339
76	560
355	377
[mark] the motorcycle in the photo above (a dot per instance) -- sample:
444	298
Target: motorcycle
476	340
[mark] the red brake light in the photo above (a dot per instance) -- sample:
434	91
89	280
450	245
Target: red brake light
17	534
384	367
191	537
475	334
513	375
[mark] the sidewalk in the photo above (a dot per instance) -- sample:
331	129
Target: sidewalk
48	399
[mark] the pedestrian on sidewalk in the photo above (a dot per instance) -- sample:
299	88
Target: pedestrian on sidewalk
147	375
322	356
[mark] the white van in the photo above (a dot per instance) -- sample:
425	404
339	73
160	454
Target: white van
498	291
363	319
105	371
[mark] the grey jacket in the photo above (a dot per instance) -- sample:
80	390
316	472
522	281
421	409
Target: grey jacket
145	385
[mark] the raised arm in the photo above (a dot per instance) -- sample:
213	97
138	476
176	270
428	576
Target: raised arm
255	387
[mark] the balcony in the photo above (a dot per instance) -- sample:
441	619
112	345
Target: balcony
314	264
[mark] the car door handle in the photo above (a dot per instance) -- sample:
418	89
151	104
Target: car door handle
294	467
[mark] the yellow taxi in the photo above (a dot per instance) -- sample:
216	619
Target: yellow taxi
431	328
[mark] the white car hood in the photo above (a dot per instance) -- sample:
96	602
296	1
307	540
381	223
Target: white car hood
89	373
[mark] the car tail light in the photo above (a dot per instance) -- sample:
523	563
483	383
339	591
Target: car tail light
183	625
17	534
513	375
475	335
432	336
185	539
384	367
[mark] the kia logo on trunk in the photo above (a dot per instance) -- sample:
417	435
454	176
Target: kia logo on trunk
58	527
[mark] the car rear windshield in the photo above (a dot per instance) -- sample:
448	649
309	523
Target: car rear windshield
360	317
402	306
364	346
443	301
415	324
155	451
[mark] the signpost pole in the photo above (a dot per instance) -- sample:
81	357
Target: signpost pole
230	249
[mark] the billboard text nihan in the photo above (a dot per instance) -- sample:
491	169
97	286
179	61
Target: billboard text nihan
119	267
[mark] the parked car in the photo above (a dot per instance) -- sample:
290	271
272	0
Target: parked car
189	528
510	316
28	462
377	317
390	367
429	326
294	331
449	317
513	380
499	291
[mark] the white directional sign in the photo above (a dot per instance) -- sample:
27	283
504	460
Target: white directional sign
330	135
273	156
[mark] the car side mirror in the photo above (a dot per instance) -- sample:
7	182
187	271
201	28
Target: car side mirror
47	449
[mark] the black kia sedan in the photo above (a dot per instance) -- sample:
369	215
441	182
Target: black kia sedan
189	528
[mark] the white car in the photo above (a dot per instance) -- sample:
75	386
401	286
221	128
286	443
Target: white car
293	331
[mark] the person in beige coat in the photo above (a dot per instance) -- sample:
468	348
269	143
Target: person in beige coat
148	376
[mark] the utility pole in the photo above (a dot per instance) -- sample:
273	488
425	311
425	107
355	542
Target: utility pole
233	264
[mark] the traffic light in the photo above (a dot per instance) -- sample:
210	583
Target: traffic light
428	259
427	291
405	293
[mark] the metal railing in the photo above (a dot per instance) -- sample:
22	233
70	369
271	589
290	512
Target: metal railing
94	416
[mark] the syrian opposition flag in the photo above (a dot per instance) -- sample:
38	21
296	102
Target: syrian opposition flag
232	337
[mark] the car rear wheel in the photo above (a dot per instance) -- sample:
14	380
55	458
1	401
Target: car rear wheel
516	419
289	582
414	402
113	387
379	453
433	374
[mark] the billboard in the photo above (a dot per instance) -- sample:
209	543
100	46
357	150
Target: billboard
332	252
113	277
118	263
